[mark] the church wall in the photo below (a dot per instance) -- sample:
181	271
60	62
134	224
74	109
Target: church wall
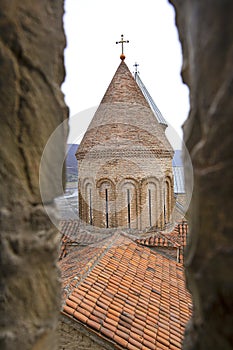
127	175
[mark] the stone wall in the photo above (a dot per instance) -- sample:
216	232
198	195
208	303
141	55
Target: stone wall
31	56
73	336
205	30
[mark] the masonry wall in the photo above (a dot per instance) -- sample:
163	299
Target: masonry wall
74	336
119	174
205	30
32	106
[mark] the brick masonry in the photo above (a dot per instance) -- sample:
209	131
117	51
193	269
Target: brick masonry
125	162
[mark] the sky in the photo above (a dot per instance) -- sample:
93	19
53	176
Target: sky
91	57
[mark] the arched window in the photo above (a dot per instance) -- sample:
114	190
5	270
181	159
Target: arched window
127	204
128	207
90	207
150	203
167	200
153	213
106	208
149	207
106	204
165	203
88	203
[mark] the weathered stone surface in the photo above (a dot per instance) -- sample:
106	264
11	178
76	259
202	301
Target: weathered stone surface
206	29
73	335
32	106
31	101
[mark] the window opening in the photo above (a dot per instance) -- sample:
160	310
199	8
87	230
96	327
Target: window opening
128	207
149	198
165	220
90	207
106	206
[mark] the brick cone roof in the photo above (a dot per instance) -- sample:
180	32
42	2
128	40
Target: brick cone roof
124	116
123	88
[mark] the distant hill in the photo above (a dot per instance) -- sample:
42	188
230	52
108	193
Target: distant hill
71	162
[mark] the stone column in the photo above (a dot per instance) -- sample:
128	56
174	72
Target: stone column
206	30
32	106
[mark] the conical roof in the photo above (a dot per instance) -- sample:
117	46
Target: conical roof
124	119
123	89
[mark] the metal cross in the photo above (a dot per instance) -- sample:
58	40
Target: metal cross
122	42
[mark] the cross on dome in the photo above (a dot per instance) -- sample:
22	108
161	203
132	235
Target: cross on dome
122	42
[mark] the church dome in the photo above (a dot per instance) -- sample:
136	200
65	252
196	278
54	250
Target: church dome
125	161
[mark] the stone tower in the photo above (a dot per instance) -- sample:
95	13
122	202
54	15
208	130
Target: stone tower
125	161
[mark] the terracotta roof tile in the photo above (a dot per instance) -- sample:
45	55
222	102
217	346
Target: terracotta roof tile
80	316
121	341
74	237
175	239
94	324
69	310
141	308
148	344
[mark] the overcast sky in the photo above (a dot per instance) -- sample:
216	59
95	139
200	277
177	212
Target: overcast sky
92	56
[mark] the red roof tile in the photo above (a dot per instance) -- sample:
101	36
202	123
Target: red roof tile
157	239
73	236
176	239
130	295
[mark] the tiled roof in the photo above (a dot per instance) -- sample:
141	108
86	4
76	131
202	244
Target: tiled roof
72	235
174	238
69	228
77	264
158	239
177	239
132	296
179	234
